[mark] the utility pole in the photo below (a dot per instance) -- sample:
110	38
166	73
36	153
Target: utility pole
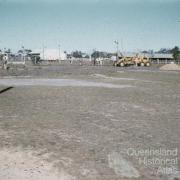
23	54
43	52
117	49
59	48
94	59
122	47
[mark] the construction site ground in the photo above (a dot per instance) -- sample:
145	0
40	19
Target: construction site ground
86	123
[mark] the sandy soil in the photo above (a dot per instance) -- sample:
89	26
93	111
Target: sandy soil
18	164
77	123
170	67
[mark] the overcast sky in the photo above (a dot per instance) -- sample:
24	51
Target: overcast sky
89	24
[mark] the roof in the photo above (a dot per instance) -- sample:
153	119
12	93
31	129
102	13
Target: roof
155	55
162	56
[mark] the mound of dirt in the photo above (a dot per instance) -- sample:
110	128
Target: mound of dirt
170	67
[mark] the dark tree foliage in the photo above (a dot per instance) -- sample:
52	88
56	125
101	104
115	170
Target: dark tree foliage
8	51
95	54
36	59
77	54
164	51
100	54
147	51
24	51
87	57
176	53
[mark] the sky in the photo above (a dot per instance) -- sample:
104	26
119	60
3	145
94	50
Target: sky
90	24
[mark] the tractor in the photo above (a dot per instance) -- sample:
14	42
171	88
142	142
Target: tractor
125	61
141	61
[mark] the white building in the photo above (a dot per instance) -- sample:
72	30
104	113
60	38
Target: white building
51	54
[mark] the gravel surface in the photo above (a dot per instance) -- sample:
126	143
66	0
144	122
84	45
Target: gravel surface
82	125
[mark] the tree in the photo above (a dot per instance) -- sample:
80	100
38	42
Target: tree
8	51
95	54
86	56
150	51
164	51
77	54
35	59
27	51
24	51
20	52
1	57
176	53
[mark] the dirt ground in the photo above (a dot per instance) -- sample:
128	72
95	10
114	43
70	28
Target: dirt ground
88	123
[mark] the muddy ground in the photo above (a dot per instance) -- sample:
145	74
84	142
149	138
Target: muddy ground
88	123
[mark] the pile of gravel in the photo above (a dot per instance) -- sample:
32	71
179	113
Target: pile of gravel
170	67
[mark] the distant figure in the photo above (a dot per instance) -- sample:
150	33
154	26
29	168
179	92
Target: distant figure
5	61
94	61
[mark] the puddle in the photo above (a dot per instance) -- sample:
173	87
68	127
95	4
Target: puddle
58	82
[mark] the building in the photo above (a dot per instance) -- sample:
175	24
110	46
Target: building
51	54
157	58
161	58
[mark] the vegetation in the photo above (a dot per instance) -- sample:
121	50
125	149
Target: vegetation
176	53
164	51
100	54
77	54
35	59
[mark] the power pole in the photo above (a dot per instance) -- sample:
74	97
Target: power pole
94	59
43	52
122	47
59	48
23	54
117	49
